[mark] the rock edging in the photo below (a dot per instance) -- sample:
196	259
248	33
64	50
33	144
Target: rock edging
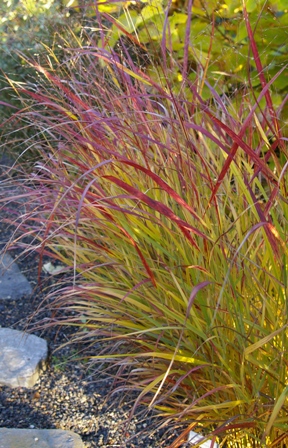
39	438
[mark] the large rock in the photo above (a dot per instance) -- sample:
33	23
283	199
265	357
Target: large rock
22	357
13	284
39	438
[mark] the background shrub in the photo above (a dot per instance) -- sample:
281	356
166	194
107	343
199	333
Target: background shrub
27	28
219	44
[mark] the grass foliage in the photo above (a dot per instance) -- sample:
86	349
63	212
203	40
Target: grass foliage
174	212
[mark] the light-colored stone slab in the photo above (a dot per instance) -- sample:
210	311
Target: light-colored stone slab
195	438
22	357
39	438
13	284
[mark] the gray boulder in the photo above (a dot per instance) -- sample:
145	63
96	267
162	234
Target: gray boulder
22	357
13	284
39	438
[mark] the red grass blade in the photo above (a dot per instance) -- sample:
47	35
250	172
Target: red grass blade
164	186
260	70
161	208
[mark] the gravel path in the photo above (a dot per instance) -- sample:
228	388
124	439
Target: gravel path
70	394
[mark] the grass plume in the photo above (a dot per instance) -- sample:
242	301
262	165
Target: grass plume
174	211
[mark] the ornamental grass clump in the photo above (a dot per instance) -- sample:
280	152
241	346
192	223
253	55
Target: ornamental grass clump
172	215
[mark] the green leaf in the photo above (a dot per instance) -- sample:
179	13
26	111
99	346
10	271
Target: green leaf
278	405
150	11
241	32
128	22
251	5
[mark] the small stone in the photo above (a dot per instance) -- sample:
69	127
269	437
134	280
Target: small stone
14	285
22	357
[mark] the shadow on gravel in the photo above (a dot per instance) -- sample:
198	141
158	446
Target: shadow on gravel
24	415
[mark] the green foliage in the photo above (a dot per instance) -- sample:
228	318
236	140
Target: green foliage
218	40
27	28
24	24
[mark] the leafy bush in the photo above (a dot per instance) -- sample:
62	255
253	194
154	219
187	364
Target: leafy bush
27	28
23	26
218	41
174	213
